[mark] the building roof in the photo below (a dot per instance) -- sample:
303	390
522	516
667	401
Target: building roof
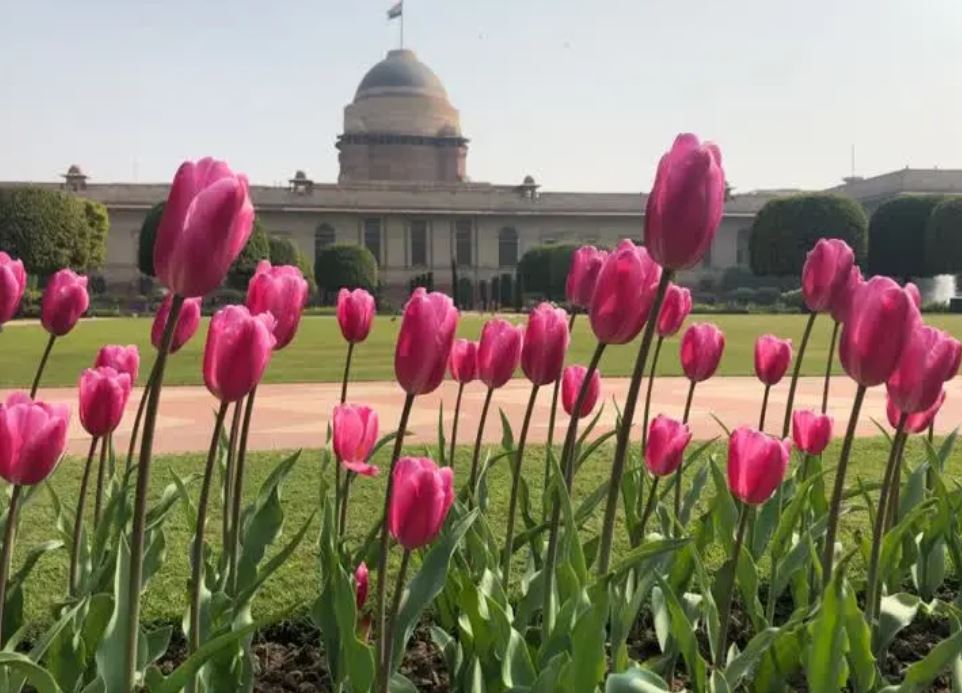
400	72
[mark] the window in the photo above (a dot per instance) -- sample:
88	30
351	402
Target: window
324	236
744	246
507	247
419	243
462	242
372	238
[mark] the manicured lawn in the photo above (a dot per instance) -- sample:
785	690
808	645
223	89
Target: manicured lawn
317	353
296	583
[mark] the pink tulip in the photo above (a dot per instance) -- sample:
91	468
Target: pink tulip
917	422
355	314
187	323
13	280
123	359
586	262
499	351
667	440
876	331
811	431
463	362
361	584
206	223
674	309
546	341
842	298
929	358
103	396
33	438
685	204
355	434
701	350
237	351
914	294
571	381
624	293
64	300
756	464
282	292
772	356
421	496
424	341
825	272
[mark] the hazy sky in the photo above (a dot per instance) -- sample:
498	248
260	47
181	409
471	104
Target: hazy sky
582	94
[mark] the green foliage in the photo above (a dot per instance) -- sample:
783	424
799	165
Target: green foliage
258	248
544	270
345	266
897	236
145	241
787	228
49	230
283	251
943	237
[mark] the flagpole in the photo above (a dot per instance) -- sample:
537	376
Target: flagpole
402	24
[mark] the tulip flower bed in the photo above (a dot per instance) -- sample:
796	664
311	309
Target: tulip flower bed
597	562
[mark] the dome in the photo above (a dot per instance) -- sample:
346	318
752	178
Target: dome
400	73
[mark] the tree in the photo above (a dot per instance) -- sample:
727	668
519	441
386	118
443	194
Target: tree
786	228
544	270
345	266
897	236
943	237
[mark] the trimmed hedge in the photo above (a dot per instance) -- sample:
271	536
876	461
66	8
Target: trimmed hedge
283	251
786	228
345	266
897	236
943	237
543	270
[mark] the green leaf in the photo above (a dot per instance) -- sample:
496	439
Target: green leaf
36	676
825	670
270	567
517	667
110	651
860	659
588	641
897	611
684	634
548	679
922	673
747	659
400	684
507	436
648	550
781	662
636	680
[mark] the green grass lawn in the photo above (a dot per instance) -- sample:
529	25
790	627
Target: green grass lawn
296	583
317	353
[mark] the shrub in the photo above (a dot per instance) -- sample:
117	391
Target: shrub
145	241
345	266
787	228
544	270
943	237
897	236
283	251
258	248
735	277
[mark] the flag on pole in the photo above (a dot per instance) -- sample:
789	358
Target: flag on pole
396	10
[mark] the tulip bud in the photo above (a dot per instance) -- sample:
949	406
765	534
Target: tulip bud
64	300
282	292
463	362
756	464
586	262
623	295
424	341
917	422
206	222
421	496
499	351
546	341
685	204
103	396
33	438
826	270
355	434
123	359
571	382
929	359
701	350
361	584
811	431
237	351
667	440
13	281
772	356
674	309
355	314
187	323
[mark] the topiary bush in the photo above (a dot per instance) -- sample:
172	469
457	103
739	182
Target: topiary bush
543	270
283	251
943	237
145	241
345	266
786	228
258	248
897	236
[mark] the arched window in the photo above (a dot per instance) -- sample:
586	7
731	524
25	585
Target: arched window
507	247
324	236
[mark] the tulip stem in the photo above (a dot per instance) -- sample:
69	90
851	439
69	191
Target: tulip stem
131	446
388	664
648	390
893	504
761	416
237	495
383	549
139	522
515	484
726	603
41	366
342	524
835	505
624	431
229	472
552	417
197	550
681	467
872	590
337	467
649	508
828	366
99	497
473	479
9	536
454	425
79	518
347	371
787	423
